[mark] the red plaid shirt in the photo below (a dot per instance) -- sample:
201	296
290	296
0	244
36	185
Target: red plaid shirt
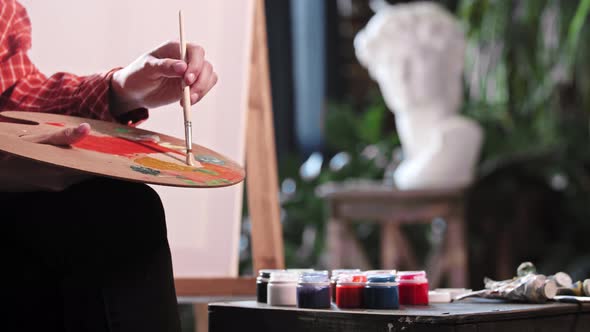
24	88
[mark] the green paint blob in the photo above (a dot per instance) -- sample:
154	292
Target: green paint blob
206	171
122	130
210	160
145	170
189	181
217	182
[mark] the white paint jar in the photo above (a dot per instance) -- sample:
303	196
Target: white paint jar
282	289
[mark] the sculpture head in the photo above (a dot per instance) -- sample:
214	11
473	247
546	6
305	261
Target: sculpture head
415	52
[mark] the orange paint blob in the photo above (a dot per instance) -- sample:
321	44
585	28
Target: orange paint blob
55	124
163	165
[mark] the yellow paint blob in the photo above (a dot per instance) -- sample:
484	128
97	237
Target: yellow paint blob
163	165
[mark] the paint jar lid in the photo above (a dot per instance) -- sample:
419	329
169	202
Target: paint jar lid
316	273
439	297
372	272
284	276
299	271
335	273
380	278
411	275
453	292
338	273
266	273
311	278
358	278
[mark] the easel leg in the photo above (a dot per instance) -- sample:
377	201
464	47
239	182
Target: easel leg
396	252
344	250
456	249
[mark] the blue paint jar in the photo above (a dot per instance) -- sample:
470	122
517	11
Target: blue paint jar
313	291
381	292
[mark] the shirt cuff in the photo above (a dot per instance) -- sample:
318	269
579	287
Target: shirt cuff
132	117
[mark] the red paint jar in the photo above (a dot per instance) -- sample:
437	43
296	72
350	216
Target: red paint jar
334	280
349	291
413	287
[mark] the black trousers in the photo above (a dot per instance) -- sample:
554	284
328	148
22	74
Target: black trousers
94	257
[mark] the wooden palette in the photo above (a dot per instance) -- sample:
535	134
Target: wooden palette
118	151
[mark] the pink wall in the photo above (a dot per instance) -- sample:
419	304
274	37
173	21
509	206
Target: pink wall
91	36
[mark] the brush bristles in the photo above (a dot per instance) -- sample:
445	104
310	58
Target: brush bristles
190	158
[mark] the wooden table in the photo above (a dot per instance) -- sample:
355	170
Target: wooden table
371	201
467	316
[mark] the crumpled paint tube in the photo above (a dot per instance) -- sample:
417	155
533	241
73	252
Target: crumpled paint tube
531	288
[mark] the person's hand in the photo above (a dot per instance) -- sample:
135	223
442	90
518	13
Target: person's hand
20	174
65	136
155	79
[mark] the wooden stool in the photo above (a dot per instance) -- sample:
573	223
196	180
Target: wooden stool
392	208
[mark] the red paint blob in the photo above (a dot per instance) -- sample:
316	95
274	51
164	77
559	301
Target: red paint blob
55	124
120	146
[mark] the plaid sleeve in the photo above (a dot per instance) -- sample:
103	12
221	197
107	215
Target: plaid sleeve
63	93
24	88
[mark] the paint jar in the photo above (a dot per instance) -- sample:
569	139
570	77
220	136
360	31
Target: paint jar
313	291
334	280
262	284
381	292
413	287
349	291
282	288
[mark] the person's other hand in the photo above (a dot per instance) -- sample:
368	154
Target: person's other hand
20	174
66	136
155	79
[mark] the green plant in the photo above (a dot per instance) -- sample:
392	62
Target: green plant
528	74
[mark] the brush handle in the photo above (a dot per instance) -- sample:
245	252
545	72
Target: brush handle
186	95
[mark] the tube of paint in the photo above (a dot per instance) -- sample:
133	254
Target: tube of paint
534	288
576	289
562	279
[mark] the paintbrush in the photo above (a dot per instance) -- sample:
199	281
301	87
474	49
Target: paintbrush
186	98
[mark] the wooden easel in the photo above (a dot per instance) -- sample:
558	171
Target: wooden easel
261	185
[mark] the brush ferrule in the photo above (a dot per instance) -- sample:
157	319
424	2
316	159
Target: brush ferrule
188	133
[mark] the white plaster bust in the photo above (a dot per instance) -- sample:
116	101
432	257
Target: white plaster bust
415	52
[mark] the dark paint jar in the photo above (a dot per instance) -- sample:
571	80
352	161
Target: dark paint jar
381	292
313	291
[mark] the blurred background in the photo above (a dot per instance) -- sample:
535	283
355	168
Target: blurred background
527	84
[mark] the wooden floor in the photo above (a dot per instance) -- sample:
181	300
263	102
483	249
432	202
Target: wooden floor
469	316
